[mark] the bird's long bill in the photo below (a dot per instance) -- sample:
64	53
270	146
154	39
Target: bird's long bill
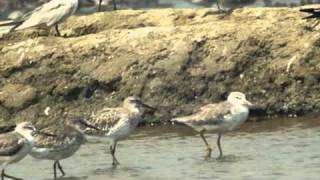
248	103
149	107
44	133
89	125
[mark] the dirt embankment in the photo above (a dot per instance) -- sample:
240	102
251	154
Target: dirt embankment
176	60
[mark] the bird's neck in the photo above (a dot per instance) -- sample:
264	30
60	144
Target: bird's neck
27	135
69	129
72	131
134	110
238	108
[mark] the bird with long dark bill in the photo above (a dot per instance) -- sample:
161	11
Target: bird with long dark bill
62	145
15	143
119	122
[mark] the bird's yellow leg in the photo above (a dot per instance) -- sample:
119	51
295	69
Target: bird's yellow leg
219	145
115	162
209	149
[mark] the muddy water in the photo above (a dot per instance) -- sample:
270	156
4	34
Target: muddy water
276	149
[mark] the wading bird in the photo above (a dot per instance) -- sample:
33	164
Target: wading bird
118	123
218	118
62	145
15	143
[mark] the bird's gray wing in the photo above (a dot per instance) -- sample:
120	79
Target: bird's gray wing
211	114
61	138
105	119
48	14
28	14
11	143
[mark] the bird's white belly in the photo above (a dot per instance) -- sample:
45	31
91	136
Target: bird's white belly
57	153
121	131
229	122
237	120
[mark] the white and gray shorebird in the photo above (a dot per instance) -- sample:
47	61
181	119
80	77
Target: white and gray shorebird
15	145
62	145
118	123
47	15
218	118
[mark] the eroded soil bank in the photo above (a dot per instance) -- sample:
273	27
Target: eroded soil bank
176	60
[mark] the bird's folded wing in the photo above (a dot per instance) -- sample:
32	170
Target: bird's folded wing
212	114
11	143
106	119
54	141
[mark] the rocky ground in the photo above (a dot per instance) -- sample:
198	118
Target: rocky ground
176	60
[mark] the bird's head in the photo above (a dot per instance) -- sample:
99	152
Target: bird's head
136	102
238	98
25	127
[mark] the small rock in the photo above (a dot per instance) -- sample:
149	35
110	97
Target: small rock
46	111
17	95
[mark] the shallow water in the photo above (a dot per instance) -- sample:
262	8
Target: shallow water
273	149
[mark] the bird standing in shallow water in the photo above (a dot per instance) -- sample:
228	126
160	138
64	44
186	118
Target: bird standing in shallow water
118	123
15	145
218	118
62	145
48	14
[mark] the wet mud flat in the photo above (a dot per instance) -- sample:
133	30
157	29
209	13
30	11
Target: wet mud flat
274	149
